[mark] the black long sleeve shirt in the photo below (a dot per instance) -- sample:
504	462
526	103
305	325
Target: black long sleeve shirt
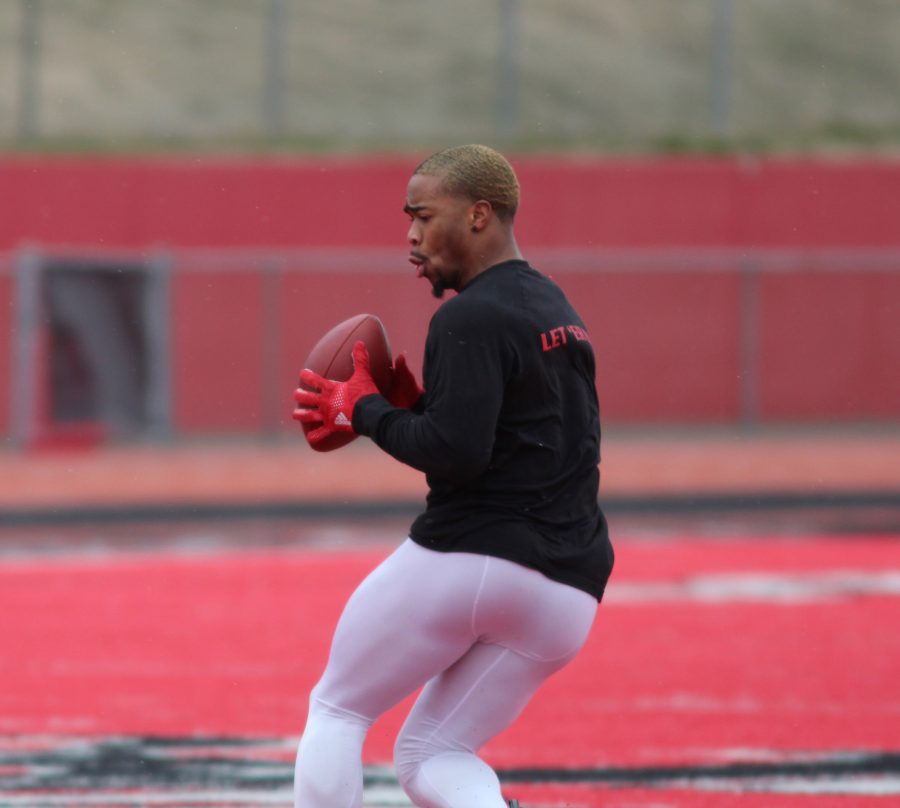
508	431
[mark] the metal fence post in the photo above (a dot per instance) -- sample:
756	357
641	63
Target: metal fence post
26	366
722	74
507	110
29	67
273	62
157	321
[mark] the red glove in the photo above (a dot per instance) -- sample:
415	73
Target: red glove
332	406
405	390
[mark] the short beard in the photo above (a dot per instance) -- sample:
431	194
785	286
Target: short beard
438	288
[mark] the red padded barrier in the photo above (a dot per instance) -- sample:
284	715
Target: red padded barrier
345	201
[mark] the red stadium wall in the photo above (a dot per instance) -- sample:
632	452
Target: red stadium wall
357	202
669	342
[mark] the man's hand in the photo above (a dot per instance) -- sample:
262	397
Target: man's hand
405	391
332	405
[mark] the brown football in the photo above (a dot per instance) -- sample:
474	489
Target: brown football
331	357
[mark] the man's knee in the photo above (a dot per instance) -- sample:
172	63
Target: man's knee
328	770
412	749
409	753
322	708
446	777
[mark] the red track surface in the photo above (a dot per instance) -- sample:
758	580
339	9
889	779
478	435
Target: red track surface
229	643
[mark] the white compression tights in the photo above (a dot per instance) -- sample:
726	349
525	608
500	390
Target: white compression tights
480	633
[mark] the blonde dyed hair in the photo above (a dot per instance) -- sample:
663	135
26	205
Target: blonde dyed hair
476	172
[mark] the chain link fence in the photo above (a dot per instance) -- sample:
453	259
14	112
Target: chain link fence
256	311
403	73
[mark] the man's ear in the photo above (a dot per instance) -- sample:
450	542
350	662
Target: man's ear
480	214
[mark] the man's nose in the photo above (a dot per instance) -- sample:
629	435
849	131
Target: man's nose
412	235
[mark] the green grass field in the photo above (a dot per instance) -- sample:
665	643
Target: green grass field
617	75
